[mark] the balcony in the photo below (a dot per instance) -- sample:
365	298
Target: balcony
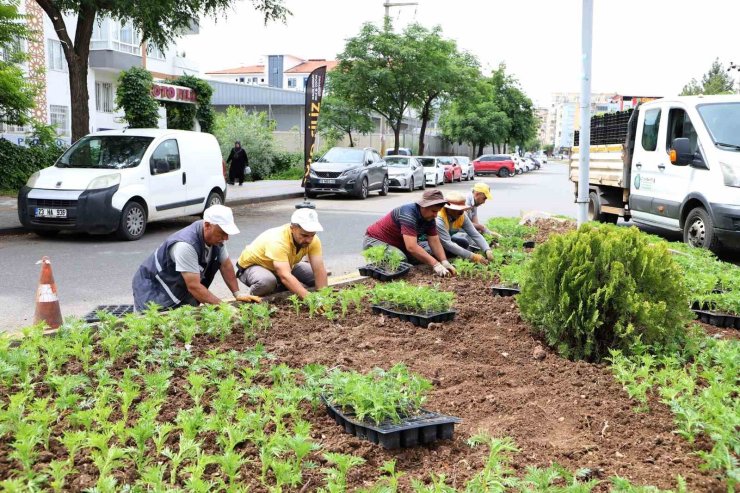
186	64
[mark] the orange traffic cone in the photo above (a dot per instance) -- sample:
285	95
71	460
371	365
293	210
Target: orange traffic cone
47	301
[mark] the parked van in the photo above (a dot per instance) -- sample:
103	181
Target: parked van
120	180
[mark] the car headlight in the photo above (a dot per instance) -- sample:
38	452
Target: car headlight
33	179
105	181
351	173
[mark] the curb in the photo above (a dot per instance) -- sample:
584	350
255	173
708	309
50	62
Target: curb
245	201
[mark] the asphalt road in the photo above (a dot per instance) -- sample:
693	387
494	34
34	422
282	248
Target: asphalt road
94	270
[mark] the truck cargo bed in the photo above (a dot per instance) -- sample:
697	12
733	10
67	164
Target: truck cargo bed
606	167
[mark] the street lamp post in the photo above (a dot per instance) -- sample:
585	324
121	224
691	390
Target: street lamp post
585	103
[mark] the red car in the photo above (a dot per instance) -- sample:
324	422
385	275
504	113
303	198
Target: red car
453	171
495	164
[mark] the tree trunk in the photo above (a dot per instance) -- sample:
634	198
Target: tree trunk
425	116
480	148
351	143
77	56
397	133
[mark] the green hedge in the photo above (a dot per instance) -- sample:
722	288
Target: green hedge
604	287
18	163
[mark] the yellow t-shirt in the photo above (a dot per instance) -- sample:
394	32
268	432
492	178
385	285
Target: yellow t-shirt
276	245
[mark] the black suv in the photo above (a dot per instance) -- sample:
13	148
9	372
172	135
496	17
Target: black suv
349	171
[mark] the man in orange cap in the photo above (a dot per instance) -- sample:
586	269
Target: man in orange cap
452	220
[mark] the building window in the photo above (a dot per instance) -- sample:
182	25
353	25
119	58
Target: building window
104	97
291	81
11	49
56	56
126	38
254	80
241	79
153	52
59	117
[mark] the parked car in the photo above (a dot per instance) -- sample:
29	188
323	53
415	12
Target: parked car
453	171
121	180
494	164
536	162
348	171
519	165
402	151
542	158
528	164
433	170
466	166
405	172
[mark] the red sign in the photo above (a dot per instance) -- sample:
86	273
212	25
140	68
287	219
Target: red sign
167	92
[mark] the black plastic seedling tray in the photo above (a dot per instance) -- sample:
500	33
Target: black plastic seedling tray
418	319
504	291
115	310
422	429
528	244
722	320
382	274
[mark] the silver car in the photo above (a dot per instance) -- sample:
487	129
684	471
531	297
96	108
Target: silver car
405	172
468	173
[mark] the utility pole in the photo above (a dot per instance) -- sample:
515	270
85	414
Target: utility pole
386	18
585	134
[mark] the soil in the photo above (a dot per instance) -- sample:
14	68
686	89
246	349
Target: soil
486	369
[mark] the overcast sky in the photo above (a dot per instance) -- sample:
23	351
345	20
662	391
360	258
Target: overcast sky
640	47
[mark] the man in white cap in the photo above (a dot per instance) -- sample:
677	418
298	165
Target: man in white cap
181	269
274	258
453	223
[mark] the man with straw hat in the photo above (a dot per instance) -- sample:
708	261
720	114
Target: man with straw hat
411	229
451	221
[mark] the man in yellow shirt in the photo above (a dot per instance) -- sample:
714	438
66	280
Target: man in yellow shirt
275	257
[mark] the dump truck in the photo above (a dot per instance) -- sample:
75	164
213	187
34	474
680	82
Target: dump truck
673	164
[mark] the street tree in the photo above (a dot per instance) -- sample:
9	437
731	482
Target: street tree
716	81
16	94
339	117
378	71
443	72
517	106
159	21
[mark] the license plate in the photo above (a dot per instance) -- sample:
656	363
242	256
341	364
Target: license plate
327	182
45	212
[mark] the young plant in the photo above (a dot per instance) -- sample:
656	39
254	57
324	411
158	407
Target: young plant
59	470
197	386
336	477
296	301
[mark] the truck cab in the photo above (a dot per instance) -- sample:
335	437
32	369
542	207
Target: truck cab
677	170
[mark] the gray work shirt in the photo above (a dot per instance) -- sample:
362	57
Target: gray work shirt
472	213
186	258
450	246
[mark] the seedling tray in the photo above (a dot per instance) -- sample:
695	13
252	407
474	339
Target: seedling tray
723	320
528	244
382	274
421	429
115	310
420	320
504	291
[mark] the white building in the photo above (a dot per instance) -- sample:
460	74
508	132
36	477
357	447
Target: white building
281	71
114	47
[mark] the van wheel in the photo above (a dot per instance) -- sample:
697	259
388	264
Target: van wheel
504	172
698	230
384	188
133	222
594	210
214	198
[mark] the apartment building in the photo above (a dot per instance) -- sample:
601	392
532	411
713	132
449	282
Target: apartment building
280	71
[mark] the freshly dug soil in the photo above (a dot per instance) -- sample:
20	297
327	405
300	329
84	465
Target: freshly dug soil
484	370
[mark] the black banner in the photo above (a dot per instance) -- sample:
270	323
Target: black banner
314	91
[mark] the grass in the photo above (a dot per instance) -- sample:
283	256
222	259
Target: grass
292	173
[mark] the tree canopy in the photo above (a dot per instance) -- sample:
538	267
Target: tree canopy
339	118
716	81
16	94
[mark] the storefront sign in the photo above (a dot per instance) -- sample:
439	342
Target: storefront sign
167	92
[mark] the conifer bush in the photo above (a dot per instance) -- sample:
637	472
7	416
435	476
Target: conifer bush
604	287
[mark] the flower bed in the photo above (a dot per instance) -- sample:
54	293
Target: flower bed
207	400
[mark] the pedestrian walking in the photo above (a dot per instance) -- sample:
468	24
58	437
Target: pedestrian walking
239	161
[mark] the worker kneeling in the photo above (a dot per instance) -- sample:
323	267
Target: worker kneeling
181	269
456	231
275	258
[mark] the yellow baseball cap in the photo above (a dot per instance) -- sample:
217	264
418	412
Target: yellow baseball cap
484	189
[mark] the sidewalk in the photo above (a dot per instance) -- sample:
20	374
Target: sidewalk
249	193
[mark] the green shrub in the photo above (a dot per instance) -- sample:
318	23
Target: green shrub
601	288
133	96
18	163
254	130
285	160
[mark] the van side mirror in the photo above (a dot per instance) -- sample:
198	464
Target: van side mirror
680	152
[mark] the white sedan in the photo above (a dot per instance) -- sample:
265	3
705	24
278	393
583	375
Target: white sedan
433	170
468	173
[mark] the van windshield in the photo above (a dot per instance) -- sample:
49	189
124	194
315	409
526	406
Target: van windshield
723	122
105	152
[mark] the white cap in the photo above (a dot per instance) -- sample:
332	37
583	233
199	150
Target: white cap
221	216
307	219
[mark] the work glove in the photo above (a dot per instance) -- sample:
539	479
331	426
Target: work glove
246	297
447	265
441	271
479	259
489	254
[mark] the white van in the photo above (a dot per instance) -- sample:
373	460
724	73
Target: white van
120	180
